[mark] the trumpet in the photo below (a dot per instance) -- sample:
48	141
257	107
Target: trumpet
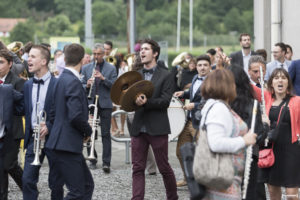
37	145
93	77
95	123
111	60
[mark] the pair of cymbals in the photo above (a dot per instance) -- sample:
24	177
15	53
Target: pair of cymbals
126	89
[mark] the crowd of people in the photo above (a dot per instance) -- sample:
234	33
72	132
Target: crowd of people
53	96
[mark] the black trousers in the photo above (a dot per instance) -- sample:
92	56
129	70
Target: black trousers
255	190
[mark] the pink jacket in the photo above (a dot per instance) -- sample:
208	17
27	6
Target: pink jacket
294	106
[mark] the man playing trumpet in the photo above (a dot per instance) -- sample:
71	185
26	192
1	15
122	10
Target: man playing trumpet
38	93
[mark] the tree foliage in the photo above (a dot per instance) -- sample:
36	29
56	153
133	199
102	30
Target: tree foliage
155	18
22	32
58	26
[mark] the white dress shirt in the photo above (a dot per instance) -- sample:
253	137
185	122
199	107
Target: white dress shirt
42	97
246	61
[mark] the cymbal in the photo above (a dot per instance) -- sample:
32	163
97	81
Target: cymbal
122	84
127	101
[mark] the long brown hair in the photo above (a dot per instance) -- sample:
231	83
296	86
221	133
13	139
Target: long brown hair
277	71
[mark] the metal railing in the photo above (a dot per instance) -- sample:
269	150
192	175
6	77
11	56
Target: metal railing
125	140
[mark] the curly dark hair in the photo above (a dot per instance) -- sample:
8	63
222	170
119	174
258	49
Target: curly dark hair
244	91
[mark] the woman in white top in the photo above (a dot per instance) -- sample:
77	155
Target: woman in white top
226	131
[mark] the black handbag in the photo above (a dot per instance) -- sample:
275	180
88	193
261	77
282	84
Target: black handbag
197	191
273	133
187	151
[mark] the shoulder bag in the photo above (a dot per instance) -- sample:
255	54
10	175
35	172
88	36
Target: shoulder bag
213	170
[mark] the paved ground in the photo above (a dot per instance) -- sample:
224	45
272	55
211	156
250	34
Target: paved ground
116	185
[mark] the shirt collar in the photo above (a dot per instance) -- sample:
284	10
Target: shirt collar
244	54
45	77
279	63
76	73
4	77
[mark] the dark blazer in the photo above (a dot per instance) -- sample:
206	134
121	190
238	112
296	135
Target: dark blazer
69	115
28	107
154	113
237	58
294	71
17	83
193	99
110	73
11	103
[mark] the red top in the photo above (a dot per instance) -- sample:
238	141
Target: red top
294	106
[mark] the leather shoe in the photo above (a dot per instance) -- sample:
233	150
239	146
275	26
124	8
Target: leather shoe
181	183
106	169
93	166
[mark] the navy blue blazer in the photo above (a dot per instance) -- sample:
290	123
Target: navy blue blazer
294	71
11	103
28	107
110	73
69	115
193	99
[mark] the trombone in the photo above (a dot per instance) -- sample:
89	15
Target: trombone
95	123
37	145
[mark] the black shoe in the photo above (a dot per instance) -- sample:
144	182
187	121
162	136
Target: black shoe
93	166
106	169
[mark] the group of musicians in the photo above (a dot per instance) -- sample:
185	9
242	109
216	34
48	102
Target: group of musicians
58	109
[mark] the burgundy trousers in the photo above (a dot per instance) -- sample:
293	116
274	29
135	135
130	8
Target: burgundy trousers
139	151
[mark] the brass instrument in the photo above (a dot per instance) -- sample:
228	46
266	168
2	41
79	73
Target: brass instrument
93	77
15	47
127	87
181	60
95	123
37	143
111	59
130	59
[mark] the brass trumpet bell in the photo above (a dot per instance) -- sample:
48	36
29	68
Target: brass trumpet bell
15	46
111	60
180	60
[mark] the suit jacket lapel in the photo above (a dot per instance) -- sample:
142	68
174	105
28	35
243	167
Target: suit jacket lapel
8	78
192	87
50	86
155	75
1	102
30	94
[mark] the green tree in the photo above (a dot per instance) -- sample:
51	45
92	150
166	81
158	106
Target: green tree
109	18
68	8
233	21
14	9
22	32
58	26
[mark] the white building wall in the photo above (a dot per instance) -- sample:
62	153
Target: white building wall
290	27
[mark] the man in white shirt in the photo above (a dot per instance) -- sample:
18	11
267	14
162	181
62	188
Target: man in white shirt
241	58
279	51
193	94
